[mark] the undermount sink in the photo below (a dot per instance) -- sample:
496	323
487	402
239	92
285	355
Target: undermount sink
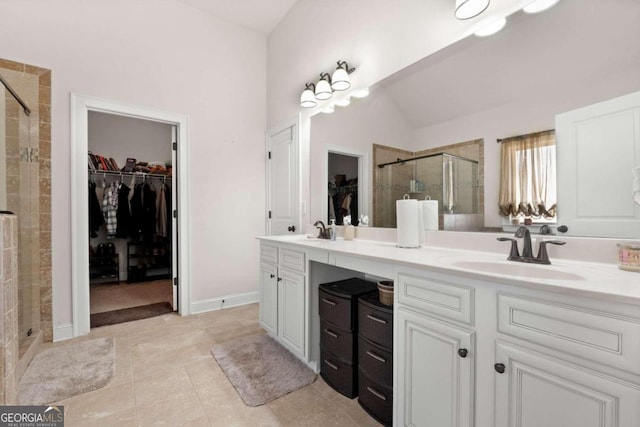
510	268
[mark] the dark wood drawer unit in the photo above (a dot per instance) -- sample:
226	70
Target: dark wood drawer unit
375	361
338	342
343	377
375	321
375	399
375	358
338	332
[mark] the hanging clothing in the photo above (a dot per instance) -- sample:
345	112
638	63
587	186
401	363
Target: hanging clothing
137	213
95	211
110	208
123	214
148	212
161	209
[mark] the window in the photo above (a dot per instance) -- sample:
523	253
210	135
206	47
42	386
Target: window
528	176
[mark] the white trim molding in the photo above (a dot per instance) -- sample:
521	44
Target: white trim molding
63	332
80	107
233	300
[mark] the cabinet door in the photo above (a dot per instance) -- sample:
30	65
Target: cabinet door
435	383
291	299
539	390
269	298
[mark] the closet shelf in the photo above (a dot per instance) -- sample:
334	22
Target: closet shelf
121	173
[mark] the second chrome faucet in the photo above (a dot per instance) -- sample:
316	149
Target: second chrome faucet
527	251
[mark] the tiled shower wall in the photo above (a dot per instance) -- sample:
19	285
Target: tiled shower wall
9	308
33	84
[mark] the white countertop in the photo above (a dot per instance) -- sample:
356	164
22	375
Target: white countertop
581	278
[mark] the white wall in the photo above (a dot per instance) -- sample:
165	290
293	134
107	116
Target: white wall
377	37
171	57
384	125
122	137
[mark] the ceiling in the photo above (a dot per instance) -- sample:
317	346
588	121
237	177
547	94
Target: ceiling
559	49
257	15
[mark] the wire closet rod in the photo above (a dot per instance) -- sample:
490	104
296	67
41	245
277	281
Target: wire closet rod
122	173
425	157
26	109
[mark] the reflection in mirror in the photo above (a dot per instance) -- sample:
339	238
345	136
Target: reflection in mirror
512	83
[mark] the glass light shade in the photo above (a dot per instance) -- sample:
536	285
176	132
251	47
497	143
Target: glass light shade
340	80
467	9
491	27
323	90
342	102
362	93
308	99
539	6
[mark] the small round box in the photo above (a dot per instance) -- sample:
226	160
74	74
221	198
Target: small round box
629	257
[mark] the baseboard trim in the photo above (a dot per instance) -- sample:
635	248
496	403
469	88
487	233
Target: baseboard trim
233	300
63	332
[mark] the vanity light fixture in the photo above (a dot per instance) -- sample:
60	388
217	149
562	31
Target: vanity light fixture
539	6
467	9
323	87
308	97
491	27
340	79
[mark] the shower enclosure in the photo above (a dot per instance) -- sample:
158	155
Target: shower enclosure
451	180
19	192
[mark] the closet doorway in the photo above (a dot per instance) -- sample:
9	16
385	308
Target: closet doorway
82	107
130	165
347	178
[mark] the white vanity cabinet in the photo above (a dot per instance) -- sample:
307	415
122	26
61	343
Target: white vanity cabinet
282	296
434	357
529	358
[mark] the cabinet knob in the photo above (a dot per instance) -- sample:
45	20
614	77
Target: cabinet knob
272	275
292	228
279	279
499	367
462	352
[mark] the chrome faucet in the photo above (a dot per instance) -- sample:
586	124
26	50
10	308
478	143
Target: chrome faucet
323	232
527	252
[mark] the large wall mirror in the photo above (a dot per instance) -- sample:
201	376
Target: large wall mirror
462	99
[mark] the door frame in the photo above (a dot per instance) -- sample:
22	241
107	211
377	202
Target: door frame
80	107
363	177
293	123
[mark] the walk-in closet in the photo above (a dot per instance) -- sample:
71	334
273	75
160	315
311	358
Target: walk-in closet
131	244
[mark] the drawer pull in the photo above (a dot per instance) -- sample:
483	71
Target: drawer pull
331	365
375	356
376	319
330	333
328	301
376	393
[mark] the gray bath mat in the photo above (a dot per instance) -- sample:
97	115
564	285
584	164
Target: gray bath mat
260	369
62	372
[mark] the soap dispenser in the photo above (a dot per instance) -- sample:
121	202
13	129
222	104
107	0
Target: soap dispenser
333	229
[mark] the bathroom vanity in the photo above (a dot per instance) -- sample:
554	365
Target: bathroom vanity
478	340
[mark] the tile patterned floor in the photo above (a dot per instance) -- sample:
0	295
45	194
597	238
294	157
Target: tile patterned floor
166	376
124	295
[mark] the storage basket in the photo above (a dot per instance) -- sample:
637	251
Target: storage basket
385	292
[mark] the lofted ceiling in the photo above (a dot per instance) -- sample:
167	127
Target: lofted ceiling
556	50
257	15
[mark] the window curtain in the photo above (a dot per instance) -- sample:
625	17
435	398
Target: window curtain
528	176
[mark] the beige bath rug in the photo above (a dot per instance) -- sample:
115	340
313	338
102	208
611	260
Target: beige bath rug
260	369
66	371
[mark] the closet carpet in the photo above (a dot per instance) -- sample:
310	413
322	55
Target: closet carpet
127	295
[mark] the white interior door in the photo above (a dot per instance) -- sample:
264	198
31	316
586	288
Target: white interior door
173	219
597	146
283	181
